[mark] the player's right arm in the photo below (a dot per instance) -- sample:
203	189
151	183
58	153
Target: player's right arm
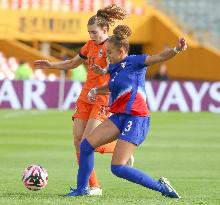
104	90
98	70
167	54
67	64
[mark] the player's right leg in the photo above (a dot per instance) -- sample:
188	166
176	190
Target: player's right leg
87	149
100	113
95	188
78	130
81	125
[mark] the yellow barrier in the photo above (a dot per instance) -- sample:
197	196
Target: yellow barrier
59	27
152	29
24	52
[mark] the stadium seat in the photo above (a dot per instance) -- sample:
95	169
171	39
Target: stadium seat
68	5
8	67
200	17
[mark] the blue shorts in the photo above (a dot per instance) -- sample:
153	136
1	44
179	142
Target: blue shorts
133	129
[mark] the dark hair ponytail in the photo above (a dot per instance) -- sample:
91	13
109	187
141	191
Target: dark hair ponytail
122	32
120	37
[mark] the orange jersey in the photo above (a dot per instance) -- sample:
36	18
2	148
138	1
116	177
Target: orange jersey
95	54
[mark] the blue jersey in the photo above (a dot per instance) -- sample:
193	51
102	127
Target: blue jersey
127	86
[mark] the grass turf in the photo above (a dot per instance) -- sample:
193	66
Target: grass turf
183	147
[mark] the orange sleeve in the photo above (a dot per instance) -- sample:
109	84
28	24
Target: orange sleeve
84	51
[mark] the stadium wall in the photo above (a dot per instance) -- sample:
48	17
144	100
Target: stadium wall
150	28
185	96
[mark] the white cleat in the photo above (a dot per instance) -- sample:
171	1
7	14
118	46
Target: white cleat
130	162
95	191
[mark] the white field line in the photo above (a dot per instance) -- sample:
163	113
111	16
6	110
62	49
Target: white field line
188	146
36	131
15	114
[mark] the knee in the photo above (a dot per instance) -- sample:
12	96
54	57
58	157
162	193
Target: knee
77	140
86	147
117	170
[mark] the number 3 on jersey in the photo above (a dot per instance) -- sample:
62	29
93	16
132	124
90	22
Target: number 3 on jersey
127	128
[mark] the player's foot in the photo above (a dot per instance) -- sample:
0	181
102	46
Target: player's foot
95	191
77	192
168	190
130	162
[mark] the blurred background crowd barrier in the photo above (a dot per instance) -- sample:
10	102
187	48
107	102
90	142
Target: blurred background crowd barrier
56	30
185	96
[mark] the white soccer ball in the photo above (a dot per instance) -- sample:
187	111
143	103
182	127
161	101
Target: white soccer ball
35	177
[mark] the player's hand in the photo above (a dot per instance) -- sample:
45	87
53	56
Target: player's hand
181	45
92	95
98	70
41	64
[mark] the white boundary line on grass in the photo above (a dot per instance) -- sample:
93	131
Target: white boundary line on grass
20	113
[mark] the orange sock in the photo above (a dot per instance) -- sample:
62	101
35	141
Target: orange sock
107	148
93	181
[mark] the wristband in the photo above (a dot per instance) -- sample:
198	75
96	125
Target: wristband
175	50
105	70
94	90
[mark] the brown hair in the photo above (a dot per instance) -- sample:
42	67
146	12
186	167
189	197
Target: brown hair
120	37
107	16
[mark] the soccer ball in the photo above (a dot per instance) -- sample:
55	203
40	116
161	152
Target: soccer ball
35	177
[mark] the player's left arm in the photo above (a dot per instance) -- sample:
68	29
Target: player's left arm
167	54
103	90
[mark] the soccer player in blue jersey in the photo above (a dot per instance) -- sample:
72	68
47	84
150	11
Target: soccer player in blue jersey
130	121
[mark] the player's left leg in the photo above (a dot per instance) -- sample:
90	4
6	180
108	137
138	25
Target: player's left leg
133	134
123	151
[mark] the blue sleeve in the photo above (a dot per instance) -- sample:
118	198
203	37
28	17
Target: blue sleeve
139	61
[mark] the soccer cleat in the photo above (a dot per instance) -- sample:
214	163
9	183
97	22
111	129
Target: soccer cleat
167	189
130	161
77	192
95	191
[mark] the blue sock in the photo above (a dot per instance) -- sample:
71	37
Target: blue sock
136	176
86	164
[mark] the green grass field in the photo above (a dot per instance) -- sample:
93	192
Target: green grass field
185	148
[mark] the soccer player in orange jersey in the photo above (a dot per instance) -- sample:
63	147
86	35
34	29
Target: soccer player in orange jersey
88	116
